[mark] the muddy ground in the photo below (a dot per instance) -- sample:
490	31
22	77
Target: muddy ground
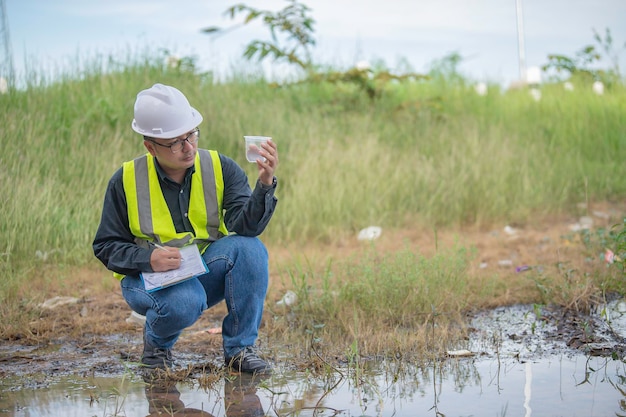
90	334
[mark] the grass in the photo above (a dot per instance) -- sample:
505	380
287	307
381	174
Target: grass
425	155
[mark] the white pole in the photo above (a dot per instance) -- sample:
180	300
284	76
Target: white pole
520	40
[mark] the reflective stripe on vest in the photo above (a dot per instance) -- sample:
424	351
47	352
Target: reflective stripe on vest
149	217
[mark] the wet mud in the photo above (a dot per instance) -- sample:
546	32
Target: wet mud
97	338
527	332
531	331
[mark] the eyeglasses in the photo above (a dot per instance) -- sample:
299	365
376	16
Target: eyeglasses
178	145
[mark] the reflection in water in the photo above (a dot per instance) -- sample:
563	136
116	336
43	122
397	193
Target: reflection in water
527	388
556	385
164	399
240	398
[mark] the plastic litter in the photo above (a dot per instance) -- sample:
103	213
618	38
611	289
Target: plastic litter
584	223
598	88
43	255
460	353
611	257
533	75
58	302
363	65
535	93
136	318
510	230
370	233
601	214
481	89
289	299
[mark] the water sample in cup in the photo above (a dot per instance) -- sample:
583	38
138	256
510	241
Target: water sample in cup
253	145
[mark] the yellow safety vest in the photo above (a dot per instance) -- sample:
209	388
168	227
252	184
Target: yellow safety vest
149	217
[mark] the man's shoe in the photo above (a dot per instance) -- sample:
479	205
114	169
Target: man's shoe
154	357
248	361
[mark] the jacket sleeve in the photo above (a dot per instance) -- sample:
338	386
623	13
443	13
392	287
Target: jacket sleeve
114	244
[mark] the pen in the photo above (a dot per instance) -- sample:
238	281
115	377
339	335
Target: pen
164	248
160	247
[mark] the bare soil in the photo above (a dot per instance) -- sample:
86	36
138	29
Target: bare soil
91	333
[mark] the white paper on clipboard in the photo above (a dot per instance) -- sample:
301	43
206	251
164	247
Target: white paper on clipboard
191	265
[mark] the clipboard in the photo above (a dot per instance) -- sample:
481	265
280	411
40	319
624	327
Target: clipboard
191	265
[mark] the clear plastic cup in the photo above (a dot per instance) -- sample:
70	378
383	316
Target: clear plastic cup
253	144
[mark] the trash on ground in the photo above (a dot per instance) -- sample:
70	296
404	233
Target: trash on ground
611	257
584	223
510	230
58	302
43	255
601	214
370	233
289	299
460	353
136	318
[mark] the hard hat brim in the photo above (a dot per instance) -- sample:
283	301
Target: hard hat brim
194	121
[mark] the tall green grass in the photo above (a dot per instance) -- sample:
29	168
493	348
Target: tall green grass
424	153
399	304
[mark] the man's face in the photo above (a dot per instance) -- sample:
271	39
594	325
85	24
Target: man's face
178	153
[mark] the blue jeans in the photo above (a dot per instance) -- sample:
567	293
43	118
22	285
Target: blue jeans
238	273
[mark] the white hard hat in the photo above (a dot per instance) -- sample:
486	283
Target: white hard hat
163	112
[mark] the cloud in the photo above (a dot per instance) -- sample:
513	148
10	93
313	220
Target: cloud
407	18
186	17
113	8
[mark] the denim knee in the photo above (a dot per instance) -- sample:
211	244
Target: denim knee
180	305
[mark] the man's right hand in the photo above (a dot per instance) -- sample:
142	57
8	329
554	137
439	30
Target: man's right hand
162	260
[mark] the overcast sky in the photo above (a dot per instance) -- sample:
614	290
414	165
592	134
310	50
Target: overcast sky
51	33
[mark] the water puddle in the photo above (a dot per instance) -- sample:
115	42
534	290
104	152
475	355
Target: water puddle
557	386
513	368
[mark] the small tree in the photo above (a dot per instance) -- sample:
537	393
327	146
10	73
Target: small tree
293	21
581	65
296	25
